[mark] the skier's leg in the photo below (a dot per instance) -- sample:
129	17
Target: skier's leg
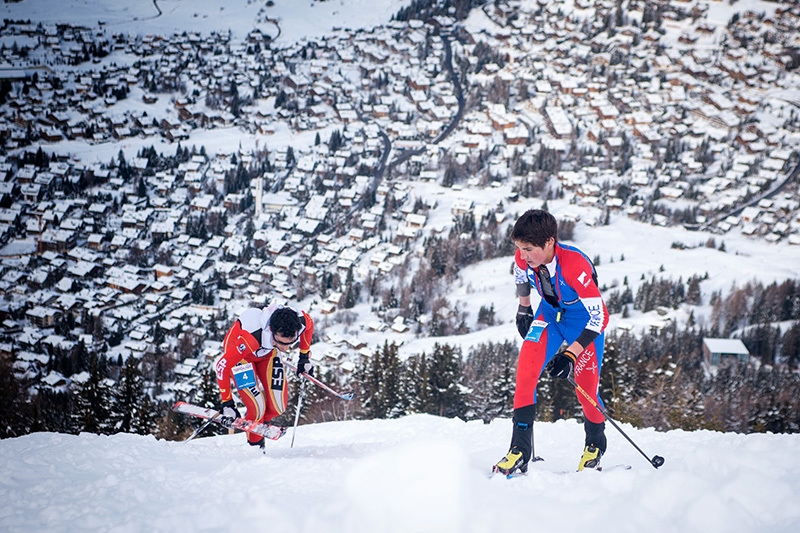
272	373
529	367
587	376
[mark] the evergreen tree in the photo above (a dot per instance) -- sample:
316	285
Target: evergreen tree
489	375
127	396
447	397
392	390
50	410
91	399
381	384
13	405
417	385
146	421
790	346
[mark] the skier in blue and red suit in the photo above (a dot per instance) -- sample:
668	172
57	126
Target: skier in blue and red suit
574	317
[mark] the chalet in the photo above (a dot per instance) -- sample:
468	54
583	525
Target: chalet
517	135
715	351
126	283
558	122
43	317
195	263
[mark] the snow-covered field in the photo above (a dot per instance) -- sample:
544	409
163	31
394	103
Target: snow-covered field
419	473
415	474
298	19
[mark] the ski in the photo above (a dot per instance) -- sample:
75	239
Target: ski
269	431
516	473
600	468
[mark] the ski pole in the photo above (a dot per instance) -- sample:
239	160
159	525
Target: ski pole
343	395
297	414
656	461
201	428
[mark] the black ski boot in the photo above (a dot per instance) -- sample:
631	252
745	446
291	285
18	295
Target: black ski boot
595	445
521	449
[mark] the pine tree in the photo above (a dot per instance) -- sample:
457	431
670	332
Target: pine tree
91	400
501	399
417	382
127	396
489	375
447	397
380	379
790	346
392	381
146	420
13	405
368	377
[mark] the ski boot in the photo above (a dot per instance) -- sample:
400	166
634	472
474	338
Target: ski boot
521	449
511	463
259	443
595	444
590	458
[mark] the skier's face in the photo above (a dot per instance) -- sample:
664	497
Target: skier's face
285	344
536	256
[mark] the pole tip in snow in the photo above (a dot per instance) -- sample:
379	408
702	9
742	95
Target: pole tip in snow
657	461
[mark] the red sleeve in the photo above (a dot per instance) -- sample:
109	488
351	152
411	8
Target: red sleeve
223	369
307	335
237	345
520	262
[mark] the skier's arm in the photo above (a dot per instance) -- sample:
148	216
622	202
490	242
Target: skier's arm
223	369
578	274
521	280
308	334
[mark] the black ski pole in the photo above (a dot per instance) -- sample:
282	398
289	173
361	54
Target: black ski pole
201	428
656	461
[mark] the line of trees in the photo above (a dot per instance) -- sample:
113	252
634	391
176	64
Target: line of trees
653	379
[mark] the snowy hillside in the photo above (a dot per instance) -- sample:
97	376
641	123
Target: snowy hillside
415	474
298	20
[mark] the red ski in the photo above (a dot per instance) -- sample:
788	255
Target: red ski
267	430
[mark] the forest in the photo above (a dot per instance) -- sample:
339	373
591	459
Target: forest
653	379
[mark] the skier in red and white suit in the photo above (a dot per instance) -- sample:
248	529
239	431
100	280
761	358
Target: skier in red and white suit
251	365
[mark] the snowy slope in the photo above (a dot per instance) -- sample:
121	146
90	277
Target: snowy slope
419	473
298	19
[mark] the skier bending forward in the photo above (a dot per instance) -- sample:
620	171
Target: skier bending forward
251	365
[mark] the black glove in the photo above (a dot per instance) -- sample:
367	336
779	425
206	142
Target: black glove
561	365
524	319
229	412
304	365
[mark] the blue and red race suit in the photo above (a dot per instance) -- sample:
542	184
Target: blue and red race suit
576	312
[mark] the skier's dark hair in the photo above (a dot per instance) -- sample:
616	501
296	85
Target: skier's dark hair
286	322
535	227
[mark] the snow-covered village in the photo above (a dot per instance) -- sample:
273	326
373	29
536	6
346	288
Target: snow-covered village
165	166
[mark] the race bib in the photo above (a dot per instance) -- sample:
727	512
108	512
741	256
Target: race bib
535	331
244	376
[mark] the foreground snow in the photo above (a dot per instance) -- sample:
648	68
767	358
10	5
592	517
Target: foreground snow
419	473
